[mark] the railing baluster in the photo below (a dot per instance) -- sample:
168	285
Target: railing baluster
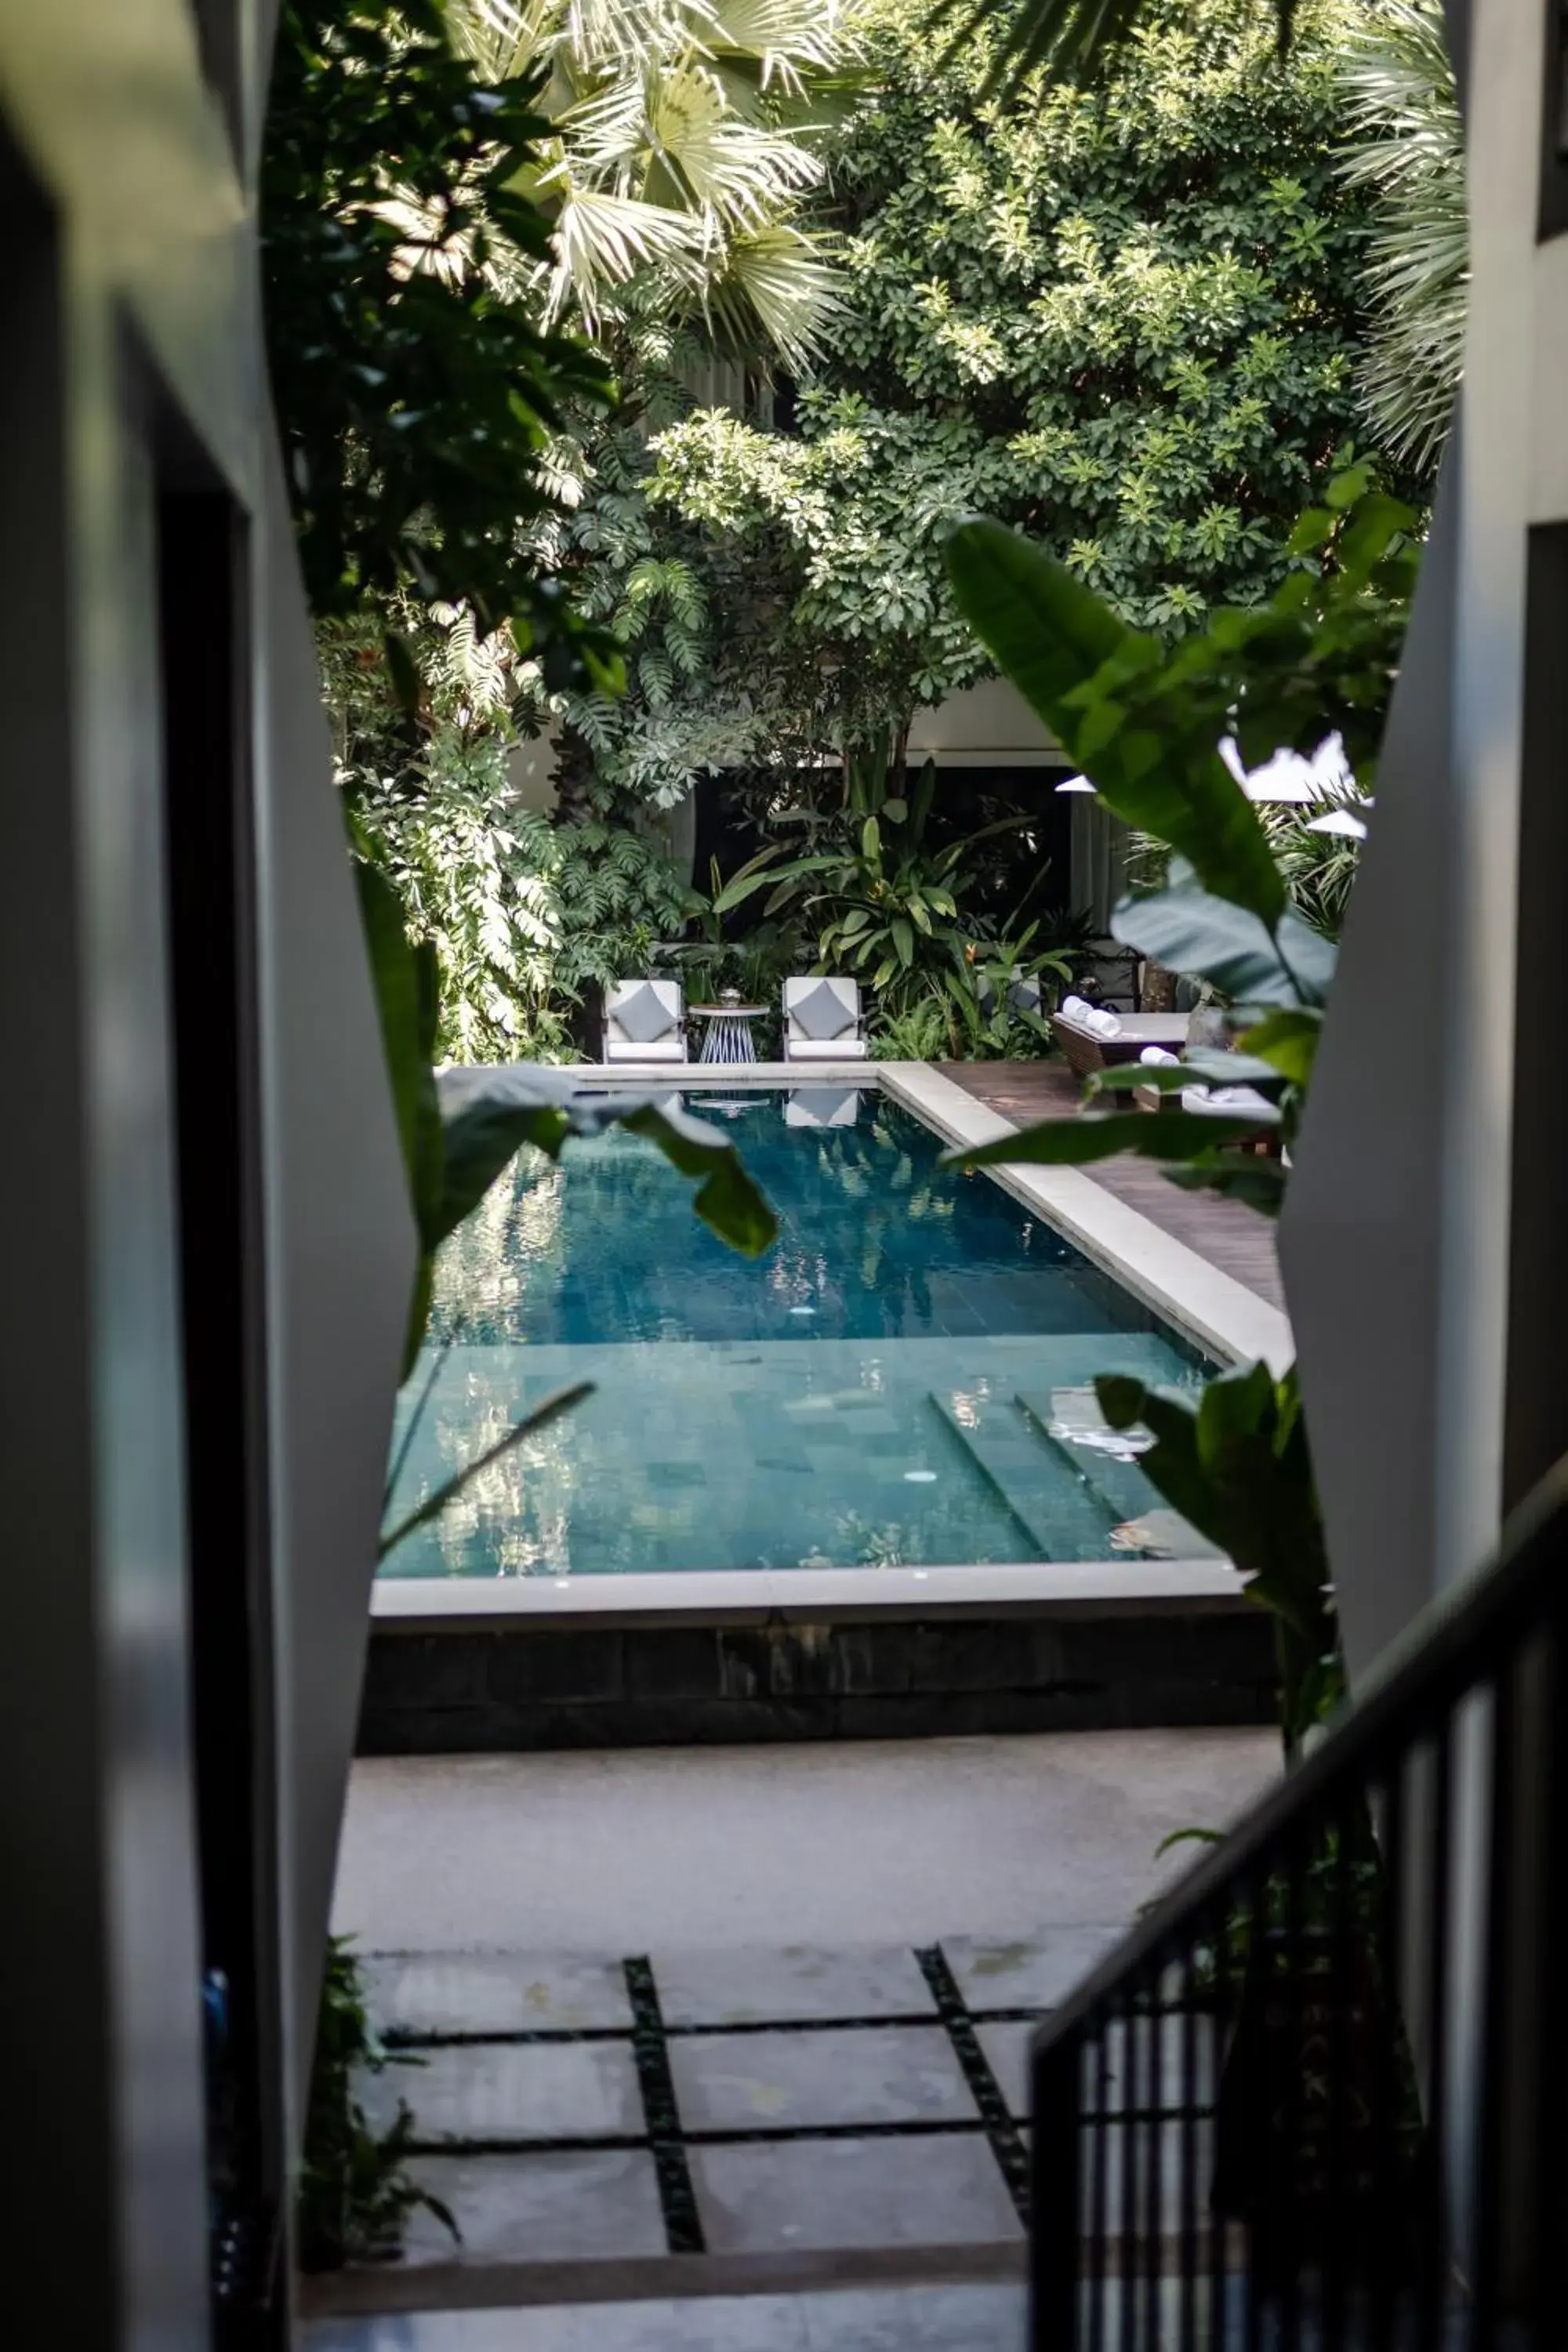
1187	2093
1348	1839
1127	2263
1155	2234
1380	2187
1096	2331
1386	2227
1056	2224
1548	2182
1432	2282
1487	2189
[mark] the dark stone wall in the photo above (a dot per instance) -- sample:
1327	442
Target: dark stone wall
662	1686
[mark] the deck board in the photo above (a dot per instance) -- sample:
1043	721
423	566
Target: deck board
1232	1237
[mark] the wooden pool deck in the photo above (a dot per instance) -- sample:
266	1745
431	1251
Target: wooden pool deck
1233	1238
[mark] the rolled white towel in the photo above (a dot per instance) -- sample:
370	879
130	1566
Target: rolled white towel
1075	1008
1157	1057
1105	1024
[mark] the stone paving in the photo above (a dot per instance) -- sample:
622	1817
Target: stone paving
986	2318
764	2102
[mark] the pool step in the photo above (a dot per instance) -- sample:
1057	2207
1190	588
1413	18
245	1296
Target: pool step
1115	1476
1063	1515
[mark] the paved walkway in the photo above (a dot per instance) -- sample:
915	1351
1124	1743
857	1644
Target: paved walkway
1231	1236
726	2051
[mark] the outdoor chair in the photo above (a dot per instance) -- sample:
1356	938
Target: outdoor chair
645	1021
1094	1039
822	1021
1206	1101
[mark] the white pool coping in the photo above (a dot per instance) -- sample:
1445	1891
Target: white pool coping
1221	1314
1226	1319
1076	1588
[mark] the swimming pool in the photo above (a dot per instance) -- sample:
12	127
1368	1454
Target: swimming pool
902	1380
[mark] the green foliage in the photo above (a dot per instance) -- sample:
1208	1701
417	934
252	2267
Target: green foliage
884	903
414	396
459	1135
681	136
1123	319
1234	1460
1406	153
354	2192
1073	37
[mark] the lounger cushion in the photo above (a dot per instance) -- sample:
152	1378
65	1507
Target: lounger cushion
643	1011
659	1049
824	1008
825	1049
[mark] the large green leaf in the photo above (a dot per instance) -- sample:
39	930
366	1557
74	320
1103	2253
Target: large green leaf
1287	1040
1176	1135
1191	930
1064	651
405	980
488	1115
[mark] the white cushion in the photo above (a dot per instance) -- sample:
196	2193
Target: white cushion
822	1107
824	1049
822	1008
1224	1102
644	1010
661	1049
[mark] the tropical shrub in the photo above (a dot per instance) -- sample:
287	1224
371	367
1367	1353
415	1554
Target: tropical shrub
1406	152
355	2190
415	395
885	904
1145	722
1121	317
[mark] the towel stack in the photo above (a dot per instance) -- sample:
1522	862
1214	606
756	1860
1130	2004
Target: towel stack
1157	1057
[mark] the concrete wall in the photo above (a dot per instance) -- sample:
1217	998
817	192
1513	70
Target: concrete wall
207	1239
1423	1244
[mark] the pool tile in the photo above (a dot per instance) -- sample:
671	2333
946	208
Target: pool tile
861	2074
928	2190
789	1984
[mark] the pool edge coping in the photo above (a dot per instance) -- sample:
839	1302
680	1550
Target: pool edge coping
1097	1587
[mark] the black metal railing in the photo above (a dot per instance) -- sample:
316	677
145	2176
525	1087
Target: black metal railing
1317	2099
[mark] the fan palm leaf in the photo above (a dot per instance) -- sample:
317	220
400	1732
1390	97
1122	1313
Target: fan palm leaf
674	157
1073	39
1408	148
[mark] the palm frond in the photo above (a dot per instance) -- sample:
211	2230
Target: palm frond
783	279
602	241
1408	148
1072	40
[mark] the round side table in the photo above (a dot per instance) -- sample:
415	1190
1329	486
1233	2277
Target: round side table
728	1032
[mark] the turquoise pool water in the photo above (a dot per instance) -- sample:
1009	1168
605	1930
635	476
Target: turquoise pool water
903	1381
